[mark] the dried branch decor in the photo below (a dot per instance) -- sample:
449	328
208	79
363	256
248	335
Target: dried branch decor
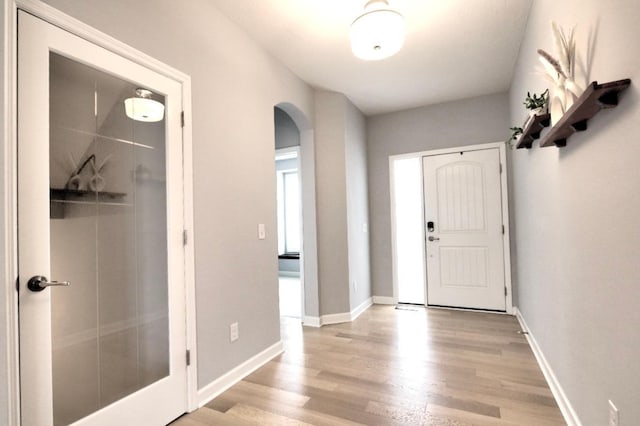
561	72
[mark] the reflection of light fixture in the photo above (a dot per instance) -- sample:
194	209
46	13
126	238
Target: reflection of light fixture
143	108
378	33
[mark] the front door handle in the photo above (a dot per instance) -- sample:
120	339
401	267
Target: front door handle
39	283
431	238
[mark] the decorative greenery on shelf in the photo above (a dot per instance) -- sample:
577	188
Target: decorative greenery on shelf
515	133
537	102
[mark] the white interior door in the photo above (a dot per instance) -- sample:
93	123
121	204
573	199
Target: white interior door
99	205
463	215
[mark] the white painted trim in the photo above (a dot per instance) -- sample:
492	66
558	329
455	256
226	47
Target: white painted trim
9	214
74	26
394	226
570	416
79	28
384	300
477	147
358	310
235	375
189	249
340	317
289	274
282	152
506	238
335	318
308	321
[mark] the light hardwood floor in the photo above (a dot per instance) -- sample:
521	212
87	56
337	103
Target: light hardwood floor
411	366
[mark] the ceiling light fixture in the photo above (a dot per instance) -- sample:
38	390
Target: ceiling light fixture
378	33
143	108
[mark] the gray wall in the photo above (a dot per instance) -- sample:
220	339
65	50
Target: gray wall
235	86
343	253
331	207
467	122
576	213
357	206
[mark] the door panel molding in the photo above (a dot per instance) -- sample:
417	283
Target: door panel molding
505	209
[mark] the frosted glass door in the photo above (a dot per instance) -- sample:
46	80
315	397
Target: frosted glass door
99	207
108	238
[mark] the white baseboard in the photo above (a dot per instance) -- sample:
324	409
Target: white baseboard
384	300
570	416
232	377
311	321
355	313
337	318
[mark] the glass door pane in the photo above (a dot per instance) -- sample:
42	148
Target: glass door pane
108	221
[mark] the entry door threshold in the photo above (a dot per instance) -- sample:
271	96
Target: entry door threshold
457	308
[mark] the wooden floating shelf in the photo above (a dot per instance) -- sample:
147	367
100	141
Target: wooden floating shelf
532	129
595	97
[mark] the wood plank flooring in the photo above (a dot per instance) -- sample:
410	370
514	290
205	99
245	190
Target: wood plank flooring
411	366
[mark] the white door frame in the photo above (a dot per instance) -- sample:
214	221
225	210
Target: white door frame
8	216
505	212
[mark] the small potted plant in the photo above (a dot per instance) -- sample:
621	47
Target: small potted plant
515	135
537	104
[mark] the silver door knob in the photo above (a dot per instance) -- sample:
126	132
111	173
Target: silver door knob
431	238
39	283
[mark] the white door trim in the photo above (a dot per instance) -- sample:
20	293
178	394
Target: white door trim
505	210
9	181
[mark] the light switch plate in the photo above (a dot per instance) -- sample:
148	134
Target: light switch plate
262	233
234	332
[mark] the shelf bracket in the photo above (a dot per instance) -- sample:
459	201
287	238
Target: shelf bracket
609	99
580	126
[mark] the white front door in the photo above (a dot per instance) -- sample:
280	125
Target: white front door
463	215
100	206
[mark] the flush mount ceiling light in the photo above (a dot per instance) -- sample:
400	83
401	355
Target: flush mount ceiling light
378	33
143	108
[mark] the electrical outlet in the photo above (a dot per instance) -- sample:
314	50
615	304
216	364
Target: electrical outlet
614	419
262	234
355	286
234	332
365	227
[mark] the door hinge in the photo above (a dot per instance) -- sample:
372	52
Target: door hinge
505	290
185	237
502	229
188	357
500	168
182	119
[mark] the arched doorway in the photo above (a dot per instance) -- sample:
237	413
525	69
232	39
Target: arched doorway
294	135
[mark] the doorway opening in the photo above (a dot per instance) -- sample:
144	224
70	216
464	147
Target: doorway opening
406	193
289	215
450	228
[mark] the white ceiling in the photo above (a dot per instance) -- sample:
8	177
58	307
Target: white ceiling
454	49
